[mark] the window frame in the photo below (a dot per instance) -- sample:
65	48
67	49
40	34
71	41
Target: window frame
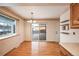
12	34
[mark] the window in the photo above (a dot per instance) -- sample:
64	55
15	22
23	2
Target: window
7	26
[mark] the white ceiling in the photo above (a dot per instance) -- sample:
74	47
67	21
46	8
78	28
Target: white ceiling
41	11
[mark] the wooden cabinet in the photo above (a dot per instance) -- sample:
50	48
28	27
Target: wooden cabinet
74	15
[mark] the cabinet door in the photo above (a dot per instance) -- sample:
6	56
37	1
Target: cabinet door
74	15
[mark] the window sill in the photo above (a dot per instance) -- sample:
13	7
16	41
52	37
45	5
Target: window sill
7	36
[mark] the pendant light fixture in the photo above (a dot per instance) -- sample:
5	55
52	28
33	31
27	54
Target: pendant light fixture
31	20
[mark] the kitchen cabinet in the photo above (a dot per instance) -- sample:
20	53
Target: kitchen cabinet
74	15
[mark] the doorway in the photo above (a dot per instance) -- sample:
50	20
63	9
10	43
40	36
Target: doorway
38	32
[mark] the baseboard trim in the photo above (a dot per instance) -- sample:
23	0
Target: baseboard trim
27	41
52	41
9	51
13	49
43	41
68	53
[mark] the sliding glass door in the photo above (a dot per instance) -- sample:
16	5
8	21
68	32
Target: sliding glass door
38	32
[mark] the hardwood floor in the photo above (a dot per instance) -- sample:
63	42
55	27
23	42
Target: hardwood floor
36	49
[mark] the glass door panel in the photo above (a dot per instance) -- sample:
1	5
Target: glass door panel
42	34
35	32
38	32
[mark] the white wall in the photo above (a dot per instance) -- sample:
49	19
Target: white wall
52	27
9	43
28	30
68	38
